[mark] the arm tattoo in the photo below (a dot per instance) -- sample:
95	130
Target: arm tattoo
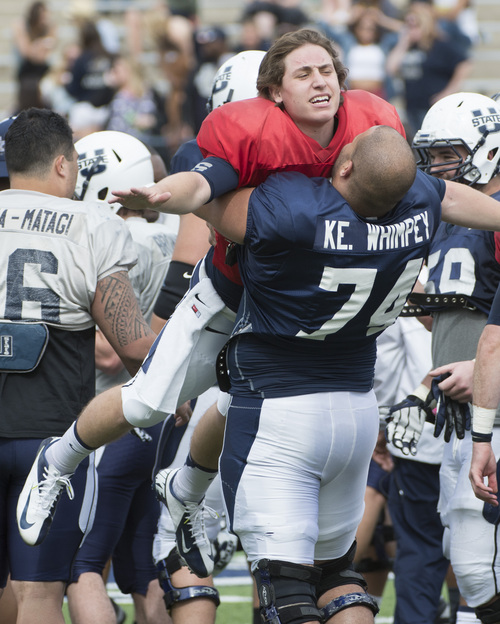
121	309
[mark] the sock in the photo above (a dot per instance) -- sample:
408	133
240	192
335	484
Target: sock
454	598
466	615
192	480
256	616
68	452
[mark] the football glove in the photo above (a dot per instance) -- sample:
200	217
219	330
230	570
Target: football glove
450	414
405	421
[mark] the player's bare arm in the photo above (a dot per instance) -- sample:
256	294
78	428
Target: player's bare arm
228	214
486	391
179	193
462	205
116	310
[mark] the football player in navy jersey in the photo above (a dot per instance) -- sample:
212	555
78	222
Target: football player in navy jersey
460	140
325	270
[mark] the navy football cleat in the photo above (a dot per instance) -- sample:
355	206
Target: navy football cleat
38	499
193	544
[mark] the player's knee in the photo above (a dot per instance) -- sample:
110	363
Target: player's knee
175	595
490	613
287	591
338	572
138	414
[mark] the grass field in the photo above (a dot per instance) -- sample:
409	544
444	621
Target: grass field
235	589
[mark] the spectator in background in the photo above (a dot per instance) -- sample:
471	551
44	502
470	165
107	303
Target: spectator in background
89	72
212	50
363	53
458	18
34	38
430	64
135	108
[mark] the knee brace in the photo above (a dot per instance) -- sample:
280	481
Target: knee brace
489	614
173	595
340	572
287	592
356	599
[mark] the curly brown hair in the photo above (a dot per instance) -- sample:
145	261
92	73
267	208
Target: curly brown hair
272	67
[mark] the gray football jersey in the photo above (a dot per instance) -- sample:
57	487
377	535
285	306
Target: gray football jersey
53	251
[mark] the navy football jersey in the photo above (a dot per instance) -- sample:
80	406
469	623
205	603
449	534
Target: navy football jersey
321	283
462	262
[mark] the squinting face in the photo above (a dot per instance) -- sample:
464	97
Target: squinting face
444	161
310	90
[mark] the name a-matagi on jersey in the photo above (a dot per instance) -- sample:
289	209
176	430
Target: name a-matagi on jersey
411	231
37	220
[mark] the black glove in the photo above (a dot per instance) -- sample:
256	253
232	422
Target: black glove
450	414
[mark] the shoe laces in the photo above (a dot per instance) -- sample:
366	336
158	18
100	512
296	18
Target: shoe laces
50	487
196	520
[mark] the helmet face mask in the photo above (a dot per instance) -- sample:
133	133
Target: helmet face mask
110	160
442	158
236	79
467	120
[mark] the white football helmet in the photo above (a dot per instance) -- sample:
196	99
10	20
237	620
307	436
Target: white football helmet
470	120
236	79
110	160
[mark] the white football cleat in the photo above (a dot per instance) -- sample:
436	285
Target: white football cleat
193	544
39	497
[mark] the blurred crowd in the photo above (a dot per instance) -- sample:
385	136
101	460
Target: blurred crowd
147	69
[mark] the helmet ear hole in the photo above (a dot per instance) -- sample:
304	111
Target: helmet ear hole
101	195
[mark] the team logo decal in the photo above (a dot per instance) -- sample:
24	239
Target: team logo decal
93	165
486	120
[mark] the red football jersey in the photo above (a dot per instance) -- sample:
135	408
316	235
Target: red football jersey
258	138
497	247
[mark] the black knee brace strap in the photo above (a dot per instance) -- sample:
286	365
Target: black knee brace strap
287	592
360	599
173	595
338	572
489	614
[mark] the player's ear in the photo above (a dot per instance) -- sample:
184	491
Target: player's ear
346	169
60	163
275	94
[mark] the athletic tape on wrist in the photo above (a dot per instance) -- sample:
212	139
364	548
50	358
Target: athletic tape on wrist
483	419
421	392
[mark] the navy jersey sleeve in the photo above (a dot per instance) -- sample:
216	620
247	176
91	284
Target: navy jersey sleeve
219	174
279	212
186	157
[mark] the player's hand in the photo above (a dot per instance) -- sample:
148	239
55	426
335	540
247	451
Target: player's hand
183	414
484	465
406	422
450	414
458	385
141	198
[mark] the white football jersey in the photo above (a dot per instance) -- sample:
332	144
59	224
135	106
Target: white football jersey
53	251
159	243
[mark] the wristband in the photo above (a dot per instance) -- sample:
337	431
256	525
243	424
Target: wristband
174	287
483	419
422	392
